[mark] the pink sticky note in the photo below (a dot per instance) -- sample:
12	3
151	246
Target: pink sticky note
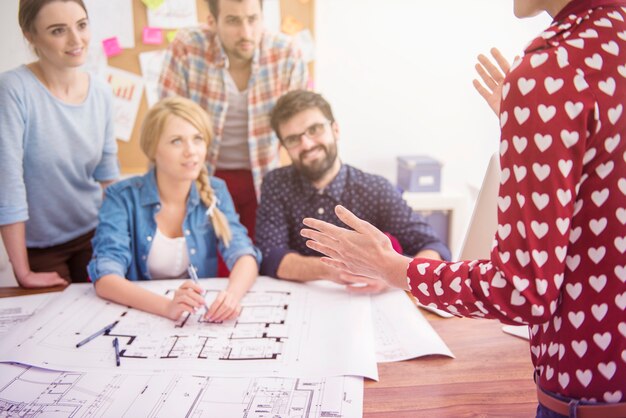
152	36
111	47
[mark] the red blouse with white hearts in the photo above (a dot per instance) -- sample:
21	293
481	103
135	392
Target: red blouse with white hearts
558	263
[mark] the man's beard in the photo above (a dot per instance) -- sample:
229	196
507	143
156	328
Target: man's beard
319	168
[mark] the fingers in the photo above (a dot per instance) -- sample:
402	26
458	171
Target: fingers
325	228
367	289
494	72
224	307
355	222
486	94
316	242
189	284
503	63
177	306
486	77
189	298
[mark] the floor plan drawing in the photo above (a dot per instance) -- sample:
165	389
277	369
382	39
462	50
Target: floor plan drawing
18	309
285	330
257	334
32	392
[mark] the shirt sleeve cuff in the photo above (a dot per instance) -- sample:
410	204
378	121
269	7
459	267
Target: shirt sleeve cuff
11	215
108	169
232	258
269	266
100	267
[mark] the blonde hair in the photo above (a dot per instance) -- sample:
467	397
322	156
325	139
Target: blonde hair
151	131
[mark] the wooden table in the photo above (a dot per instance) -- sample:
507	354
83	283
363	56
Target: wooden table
491	375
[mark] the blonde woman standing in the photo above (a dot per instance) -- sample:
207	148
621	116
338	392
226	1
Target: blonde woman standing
57	148
174	216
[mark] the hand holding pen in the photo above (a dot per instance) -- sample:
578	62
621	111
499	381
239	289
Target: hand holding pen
187	298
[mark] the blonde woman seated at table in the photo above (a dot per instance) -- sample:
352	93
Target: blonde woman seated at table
176	215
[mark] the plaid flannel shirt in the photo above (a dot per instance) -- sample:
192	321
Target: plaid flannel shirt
195	66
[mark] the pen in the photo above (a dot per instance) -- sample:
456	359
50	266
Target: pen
92	336
191	270
116	346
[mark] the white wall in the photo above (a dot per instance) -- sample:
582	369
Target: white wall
398	74
14	49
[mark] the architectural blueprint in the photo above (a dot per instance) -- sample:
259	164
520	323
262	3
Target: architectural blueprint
32	392
19	309
285	330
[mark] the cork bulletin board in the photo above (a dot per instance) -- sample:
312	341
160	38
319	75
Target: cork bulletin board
131	158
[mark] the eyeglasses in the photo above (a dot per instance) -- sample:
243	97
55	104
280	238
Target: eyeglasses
314	131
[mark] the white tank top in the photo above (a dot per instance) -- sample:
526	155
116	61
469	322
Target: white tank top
168	258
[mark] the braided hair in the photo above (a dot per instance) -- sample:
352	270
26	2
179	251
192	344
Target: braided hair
152	129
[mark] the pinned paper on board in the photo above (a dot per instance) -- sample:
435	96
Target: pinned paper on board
174	14
112	18
170	35
291	25
111	47
96	62
271	15
306	44
153	4
127	90
151	64
152	36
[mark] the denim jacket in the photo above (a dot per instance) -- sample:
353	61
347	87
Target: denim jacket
127	227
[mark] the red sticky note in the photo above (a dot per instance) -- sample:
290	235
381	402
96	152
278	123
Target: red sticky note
152	36
111	47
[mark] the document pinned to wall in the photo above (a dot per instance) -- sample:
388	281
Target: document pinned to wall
151	64
127	89
111	18
173	14
271	15
306	44
96	62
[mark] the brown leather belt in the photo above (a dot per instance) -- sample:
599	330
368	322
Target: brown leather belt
605	410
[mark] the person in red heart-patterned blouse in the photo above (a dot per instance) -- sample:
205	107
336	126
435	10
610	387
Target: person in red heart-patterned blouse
558	263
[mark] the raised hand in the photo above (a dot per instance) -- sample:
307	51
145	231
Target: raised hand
363	251
492	77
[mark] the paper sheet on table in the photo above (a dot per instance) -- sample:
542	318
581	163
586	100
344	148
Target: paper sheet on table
174	14
16	310
401	330
111	18
127	90
285	330
151	64
520	331
24	389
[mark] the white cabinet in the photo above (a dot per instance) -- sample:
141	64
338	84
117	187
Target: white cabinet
450	206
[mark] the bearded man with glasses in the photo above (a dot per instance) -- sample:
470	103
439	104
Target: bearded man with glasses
313	185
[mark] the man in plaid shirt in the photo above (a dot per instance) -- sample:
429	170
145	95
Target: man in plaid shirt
236	71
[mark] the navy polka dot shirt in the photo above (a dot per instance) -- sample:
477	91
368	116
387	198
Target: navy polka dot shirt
287	198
